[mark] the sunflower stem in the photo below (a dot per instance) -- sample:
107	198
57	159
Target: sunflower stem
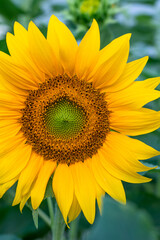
51	213
73	231
41	214
44	217
59	225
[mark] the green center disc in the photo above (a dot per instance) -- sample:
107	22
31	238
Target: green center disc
64	119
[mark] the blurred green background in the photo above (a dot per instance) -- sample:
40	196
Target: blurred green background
140	218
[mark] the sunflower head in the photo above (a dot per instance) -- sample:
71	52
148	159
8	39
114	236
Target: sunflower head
66	112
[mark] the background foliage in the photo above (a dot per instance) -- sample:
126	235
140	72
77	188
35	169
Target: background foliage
140	218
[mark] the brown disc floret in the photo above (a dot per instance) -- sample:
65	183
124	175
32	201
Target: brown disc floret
65	120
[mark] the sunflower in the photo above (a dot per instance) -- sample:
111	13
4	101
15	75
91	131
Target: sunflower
66	112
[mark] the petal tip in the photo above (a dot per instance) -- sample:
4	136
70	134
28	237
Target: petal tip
34	203
31	25
94	21
146	58
8	35
128	35
53	16
16	24
53	19
95	24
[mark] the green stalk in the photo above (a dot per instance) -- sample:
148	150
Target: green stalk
59	225
44	217
74	229
51	213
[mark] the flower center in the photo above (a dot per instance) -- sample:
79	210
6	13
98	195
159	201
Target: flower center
65	120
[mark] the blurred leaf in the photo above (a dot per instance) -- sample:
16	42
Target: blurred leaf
35	8
49	190
35	217
3	46
122	223
9	10
25	4
8	237
106	35
59	7
139	1
21	224
145	197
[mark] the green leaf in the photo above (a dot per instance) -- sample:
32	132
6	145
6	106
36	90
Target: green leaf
146	199
59	7
35	217
122	223
106	35
3	46
49	190
9	9
8	237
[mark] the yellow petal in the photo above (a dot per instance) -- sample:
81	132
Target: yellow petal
18	46
63	43
105	54
99	191
109	71
131	72
100	203
14	162
128	150
24	200
52	37
4	187
5	123
84	189
133	97
42	52
87	50
141	150
28	176
135	122
9	143
6	114
112	48
11	86
110	184
21	199
63	188
12	129
21	33
74	210
150	83
38	191
15	75
11	100
2	86
120	167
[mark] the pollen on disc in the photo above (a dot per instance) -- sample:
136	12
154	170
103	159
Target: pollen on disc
64	119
